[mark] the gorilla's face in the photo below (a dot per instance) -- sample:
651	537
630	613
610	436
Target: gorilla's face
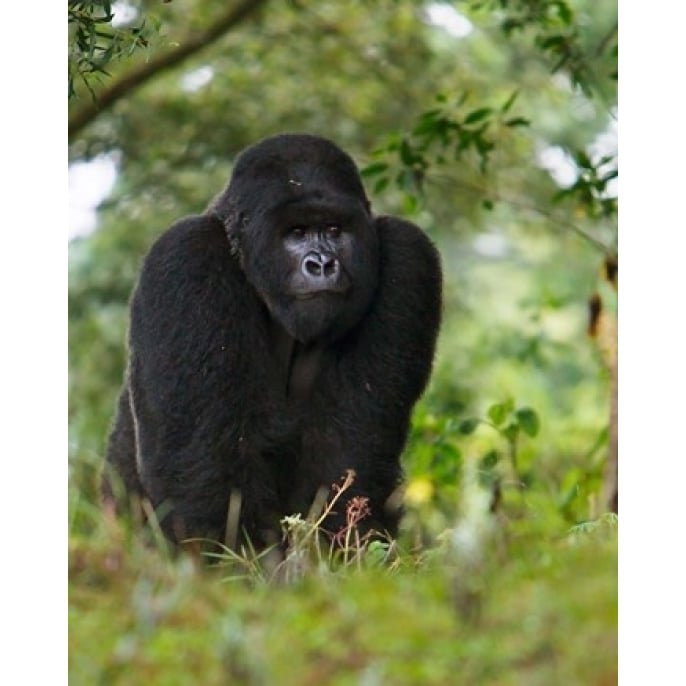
330	256
314	262
305	236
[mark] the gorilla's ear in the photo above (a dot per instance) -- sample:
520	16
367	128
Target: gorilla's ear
234	225
226	210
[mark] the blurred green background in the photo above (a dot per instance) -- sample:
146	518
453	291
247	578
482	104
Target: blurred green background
491	124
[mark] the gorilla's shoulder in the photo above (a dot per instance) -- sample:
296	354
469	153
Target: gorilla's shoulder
405	242
196	242
401	231
196	233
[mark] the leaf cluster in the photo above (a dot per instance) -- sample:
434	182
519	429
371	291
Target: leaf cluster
94	43
589	191
446	134
509	422
557	35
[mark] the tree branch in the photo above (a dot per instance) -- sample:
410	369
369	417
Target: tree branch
606	39
547	214
140	74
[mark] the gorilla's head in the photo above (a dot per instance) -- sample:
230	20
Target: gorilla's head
298	218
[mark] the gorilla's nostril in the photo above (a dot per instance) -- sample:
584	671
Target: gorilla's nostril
313	266
330	266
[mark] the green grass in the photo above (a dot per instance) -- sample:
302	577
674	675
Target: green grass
496	599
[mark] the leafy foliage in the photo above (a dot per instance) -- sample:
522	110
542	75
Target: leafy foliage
590	188
557	34
94	44
442	135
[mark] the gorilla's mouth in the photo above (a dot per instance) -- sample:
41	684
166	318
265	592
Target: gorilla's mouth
313	294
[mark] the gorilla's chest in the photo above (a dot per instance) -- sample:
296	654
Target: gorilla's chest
295	368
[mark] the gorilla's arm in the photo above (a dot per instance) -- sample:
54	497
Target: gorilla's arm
397	342
189	380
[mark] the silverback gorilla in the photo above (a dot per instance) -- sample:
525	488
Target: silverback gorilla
276	341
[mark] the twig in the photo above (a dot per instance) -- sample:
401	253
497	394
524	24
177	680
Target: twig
606	250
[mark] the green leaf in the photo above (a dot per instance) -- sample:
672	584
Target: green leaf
510	431
410	203
528	420
489	460
467	426
509	102
510	24
554	42
478	115
583	160
381	185
498	412
564	12
431	115
483	145
374	169
487	204
430	123
465	138
407	156
405	180
377	554
562	194
517	121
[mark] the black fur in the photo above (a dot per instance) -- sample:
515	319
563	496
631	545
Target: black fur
236	383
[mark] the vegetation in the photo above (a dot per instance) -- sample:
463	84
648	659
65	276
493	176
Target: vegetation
491	132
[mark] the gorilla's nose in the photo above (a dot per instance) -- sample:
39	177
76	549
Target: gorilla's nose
320	266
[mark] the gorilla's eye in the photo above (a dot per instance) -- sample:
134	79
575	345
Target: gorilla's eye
333	231
297	232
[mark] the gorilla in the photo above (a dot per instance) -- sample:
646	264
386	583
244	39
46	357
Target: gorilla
276	341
